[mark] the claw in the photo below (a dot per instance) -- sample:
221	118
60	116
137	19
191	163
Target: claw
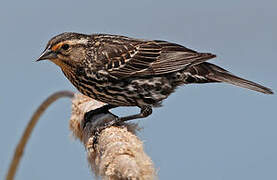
100	119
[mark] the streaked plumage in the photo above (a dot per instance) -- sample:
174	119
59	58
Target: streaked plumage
123	71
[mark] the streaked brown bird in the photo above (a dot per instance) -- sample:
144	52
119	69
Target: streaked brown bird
123	71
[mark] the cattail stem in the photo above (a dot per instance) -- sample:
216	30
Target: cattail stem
117	153
28	130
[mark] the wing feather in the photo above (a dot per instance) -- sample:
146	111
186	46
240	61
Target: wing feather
127	57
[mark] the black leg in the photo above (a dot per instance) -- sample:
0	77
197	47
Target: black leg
101	118
144	112
93	113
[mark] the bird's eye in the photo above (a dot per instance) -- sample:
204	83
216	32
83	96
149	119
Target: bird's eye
65	46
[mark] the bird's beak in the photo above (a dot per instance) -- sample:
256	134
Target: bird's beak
47	54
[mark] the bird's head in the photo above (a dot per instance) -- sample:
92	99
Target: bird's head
66	50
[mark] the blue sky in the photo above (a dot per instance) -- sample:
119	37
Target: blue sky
212	131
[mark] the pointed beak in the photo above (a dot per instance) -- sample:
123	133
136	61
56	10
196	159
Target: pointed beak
47	54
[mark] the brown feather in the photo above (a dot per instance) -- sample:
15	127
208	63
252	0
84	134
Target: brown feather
143	58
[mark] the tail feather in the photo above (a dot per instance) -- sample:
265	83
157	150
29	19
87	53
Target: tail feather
214	73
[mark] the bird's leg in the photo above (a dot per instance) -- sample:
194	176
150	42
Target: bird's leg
102	110
101	118
144	112
98	119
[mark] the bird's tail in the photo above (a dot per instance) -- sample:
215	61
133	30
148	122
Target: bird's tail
213	73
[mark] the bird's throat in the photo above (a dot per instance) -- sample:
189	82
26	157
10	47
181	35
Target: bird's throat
65	65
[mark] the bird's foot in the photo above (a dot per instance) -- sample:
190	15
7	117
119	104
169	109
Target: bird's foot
100	119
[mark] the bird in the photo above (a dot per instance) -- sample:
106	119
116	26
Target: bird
125	71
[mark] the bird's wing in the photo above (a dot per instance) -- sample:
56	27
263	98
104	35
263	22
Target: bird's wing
125	57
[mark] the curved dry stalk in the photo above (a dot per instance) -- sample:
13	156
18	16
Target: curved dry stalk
28	130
